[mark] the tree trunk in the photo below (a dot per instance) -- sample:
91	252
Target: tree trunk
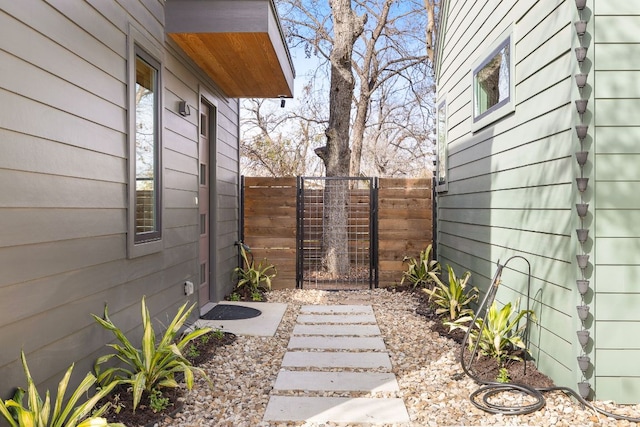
431	35
336	155
362	112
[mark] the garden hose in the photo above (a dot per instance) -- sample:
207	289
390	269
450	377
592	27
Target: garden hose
490	389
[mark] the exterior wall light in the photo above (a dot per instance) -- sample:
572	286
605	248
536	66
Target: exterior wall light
183	109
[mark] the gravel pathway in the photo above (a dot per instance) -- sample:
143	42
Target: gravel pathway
424	363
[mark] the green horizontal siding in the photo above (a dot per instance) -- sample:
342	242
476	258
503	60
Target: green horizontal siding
618	223
616	57
616	307
617	7
622	28
618	112
614	278
618	140
624	389
614	336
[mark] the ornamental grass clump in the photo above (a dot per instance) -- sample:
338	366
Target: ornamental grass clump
72	413
154	365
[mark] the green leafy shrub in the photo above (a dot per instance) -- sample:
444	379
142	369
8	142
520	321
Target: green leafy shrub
421	271
217	334
153	365
38	413
251	278
503	376
501	335
157	402
452	299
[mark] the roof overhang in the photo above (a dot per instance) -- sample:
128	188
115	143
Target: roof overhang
238	43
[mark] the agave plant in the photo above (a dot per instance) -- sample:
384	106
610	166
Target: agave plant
501	333
452	299
154	365
71	413
252	278
421	271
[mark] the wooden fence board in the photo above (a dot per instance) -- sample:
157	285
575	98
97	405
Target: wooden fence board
404	223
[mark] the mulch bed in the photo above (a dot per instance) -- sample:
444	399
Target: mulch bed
486	368
121	398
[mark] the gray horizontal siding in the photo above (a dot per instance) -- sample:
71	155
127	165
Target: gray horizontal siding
63	182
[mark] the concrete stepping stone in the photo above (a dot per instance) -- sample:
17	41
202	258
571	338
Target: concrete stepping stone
335	359
336	343
336	409
336	381
336	318
336	309
340	329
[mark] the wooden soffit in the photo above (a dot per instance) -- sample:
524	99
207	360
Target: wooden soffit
238	43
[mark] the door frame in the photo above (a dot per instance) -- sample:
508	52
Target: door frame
208	98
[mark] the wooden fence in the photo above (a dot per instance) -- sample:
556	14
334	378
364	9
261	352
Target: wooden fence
404	224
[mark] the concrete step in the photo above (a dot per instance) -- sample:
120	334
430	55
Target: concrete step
336	381
342	329
336	318
336	309
335	359
336	343
336	409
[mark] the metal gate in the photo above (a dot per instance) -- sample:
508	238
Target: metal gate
337	224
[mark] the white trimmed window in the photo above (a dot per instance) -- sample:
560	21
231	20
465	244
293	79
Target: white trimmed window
493	82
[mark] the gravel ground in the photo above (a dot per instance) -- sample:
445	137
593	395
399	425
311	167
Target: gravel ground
424	363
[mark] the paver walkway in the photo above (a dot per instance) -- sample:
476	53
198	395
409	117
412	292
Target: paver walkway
336	369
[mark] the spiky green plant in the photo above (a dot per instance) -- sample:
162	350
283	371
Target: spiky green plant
252	278
452	299
502	332
71	413
420	271
153	365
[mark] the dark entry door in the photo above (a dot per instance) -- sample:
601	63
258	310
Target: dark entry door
337	233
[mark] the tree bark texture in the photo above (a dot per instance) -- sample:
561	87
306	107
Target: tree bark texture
336	155
431	35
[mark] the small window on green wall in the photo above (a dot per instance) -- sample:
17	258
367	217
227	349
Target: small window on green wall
493	83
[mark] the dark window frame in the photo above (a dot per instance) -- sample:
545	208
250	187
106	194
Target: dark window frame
156	234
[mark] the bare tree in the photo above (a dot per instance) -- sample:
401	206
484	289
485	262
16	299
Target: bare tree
347	27
277	142
389	48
